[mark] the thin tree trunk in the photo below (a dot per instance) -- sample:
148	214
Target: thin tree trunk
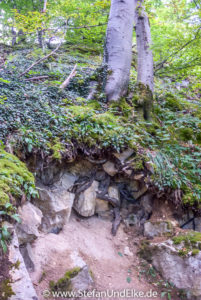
118	48
44	6
14	36
145	67
40	38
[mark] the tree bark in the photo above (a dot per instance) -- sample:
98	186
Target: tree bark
44	6
145	66
118	48
14	36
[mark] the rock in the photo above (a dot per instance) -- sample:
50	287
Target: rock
138	176
101	206
27	230
113	192
158	228
109	168
183	271
76	279
147	203
82	281
80	168
86	203
77	259
198	224
27	255
50	175
66	181
127	252
21	282
124	155
56	205
137	189
149	166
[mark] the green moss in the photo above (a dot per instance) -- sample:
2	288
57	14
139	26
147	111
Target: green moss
14	175
16	265
123	107
106	118
195	252
57	148
81	111
198	138
64	283
143	100
183	252
172	103
186	134
190	239
189	197
144	250
6	290
138	162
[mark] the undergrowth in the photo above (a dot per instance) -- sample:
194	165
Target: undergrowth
39	117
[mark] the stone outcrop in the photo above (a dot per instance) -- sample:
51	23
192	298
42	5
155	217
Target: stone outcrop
85	204
31	218
175	265
110	169
56	205
158	228
21	282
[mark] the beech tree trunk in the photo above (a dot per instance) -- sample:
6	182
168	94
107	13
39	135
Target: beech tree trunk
118	48
145	66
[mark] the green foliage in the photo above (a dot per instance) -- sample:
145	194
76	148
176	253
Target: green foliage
176	36
64	282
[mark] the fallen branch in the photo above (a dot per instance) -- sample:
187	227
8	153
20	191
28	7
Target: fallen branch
37	78
66	82
40	60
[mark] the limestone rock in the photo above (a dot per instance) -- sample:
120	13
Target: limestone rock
159	228
183	271
127	251
123	156
113	192
27	255
27	230
147	203
21	282
101	206
56	205
86	203
66	181
109	168
82	281
136	189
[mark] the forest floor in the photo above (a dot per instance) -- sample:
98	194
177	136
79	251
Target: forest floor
89	241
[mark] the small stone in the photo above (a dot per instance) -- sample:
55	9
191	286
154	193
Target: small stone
127	252
82	281
86	203
159	228
113	192
124	155
109	168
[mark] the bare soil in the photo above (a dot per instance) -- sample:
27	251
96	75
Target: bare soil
88	240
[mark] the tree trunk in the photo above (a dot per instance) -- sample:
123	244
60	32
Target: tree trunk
44	6
118	48
40	38
145	67
14	36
